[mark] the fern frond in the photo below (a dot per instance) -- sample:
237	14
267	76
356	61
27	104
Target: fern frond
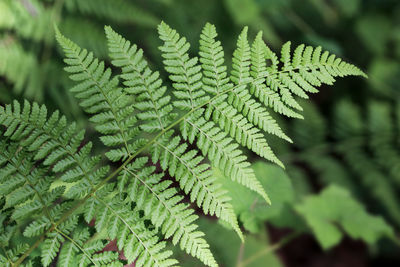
163	206
239	128
34	196
156	115
194	178
156	111
28	190
259	72
52	187
184	71
222	151
53	141
241	98
226	114
58	144
124	224
227	120
100	95
12	254
79	250
142	84
215	78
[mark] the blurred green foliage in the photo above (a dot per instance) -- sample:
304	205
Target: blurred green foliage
350	135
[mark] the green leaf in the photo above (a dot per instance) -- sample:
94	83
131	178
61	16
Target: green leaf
334	211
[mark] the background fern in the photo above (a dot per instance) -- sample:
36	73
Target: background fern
327	149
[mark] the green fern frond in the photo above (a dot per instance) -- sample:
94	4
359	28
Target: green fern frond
215	78
53	141
260	53
239	98
166	210
184	71
124	224
228	121
197	246
58	144
156	115
11	255
59	191
34	198
29	189
194	178
100	95
78	250
140	81
242	100
222	151
227	114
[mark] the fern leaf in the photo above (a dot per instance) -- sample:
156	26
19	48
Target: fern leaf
100	96
215	78
140	81
53	187
67	255
30	194
194	178
227	116
75	164
155	110
259	71
184	71
242	131
138	243
165	209
221	151
50	248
